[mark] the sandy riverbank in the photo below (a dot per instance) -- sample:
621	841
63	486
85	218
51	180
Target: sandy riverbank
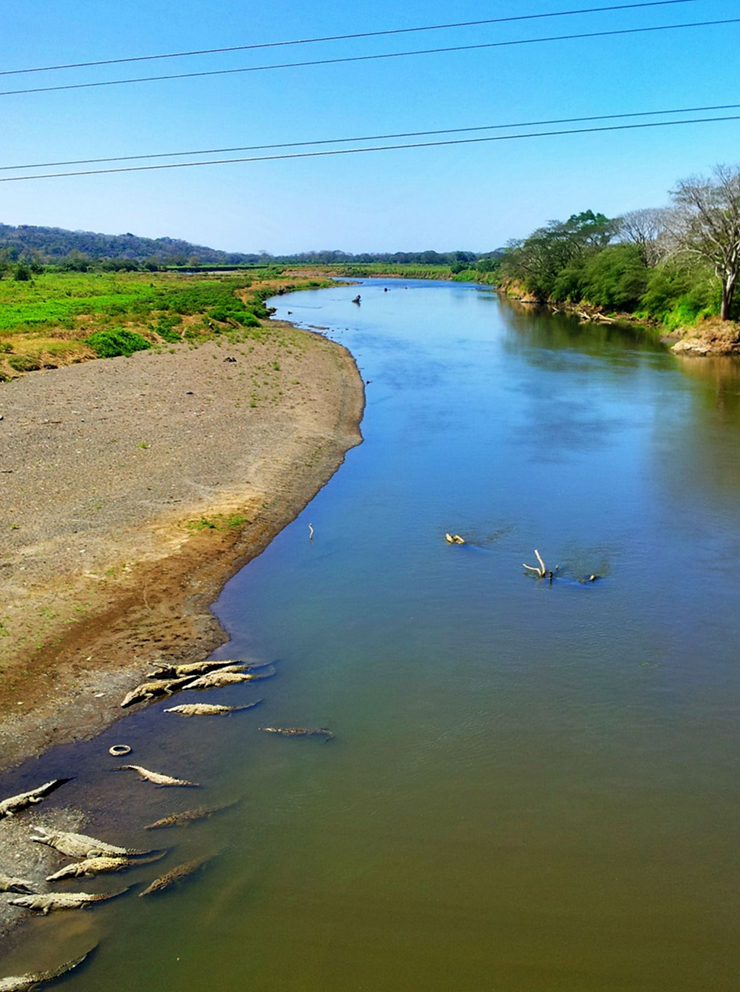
132	489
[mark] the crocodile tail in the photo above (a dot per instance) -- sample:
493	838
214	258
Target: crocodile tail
47	976
115	895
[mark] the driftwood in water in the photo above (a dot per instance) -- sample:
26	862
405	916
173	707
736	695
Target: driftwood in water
539	570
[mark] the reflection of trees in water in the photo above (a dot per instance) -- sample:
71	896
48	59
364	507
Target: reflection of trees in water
573	382
537	327
720	377
697	444
695	402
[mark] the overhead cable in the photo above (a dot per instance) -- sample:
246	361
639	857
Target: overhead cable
371	58
372	137
371	148
347	37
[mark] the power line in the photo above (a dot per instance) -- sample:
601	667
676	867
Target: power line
373	137
373	148
371	58
347	37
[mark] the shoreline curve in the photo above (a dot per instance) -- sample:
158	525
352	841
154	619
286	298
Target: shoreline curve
149	579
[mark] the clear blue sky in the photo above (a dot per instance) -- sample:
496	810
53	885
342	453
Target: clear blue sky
474	196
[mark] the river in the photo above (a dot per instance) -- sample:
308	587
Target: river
533	785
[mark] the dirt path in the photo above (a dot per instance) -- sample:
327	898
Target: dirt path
131	490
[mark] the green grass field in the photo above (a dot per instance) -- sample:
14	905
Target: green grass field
62	317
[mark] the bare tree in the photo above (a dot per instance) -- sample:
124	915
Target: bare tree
646	229
706	223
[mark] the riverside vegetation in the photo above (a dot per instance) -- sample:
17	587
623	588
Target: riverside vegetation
674	267
50	318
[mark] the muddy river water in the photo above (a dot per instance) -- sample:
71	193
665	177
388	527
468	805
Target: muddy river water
533	785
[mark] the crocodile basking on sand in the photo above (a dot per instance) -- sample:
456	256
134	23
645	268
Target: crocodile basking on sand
46	902
192	669
21	983
299	732
157	777
99	866
176	875
152	689
189	816
208	709
81	846
10	884
8	807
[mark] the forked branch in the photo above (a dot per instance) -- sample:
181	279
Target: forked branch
539	570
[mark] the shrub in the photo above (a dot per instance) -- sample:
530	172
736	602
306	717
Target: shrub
615	278
246	319
569	283
220	314
678	295
24	363
109	344
165	328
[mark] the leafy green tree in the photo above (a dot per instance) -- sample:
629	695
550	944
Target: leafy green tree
489	263
540	258
679	291
615	278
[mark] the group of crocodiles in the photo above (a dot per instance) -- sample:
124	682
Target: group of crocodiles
165	680
95	857
168	679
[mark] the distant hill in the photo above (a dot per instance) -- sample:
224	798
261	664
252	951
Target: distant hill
51	244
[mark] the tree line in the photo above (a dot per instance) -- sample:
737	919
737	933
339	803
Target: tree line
674	264
26	249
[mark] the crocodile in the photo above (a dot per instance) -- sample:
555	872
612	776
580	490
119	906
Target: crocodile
8	807
248	665
20	983
81	846
195	668
207	709
10	884
176	875
45	902
299	732
157	777
152	689
213	680
225	676
267	674
189	816
97	866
